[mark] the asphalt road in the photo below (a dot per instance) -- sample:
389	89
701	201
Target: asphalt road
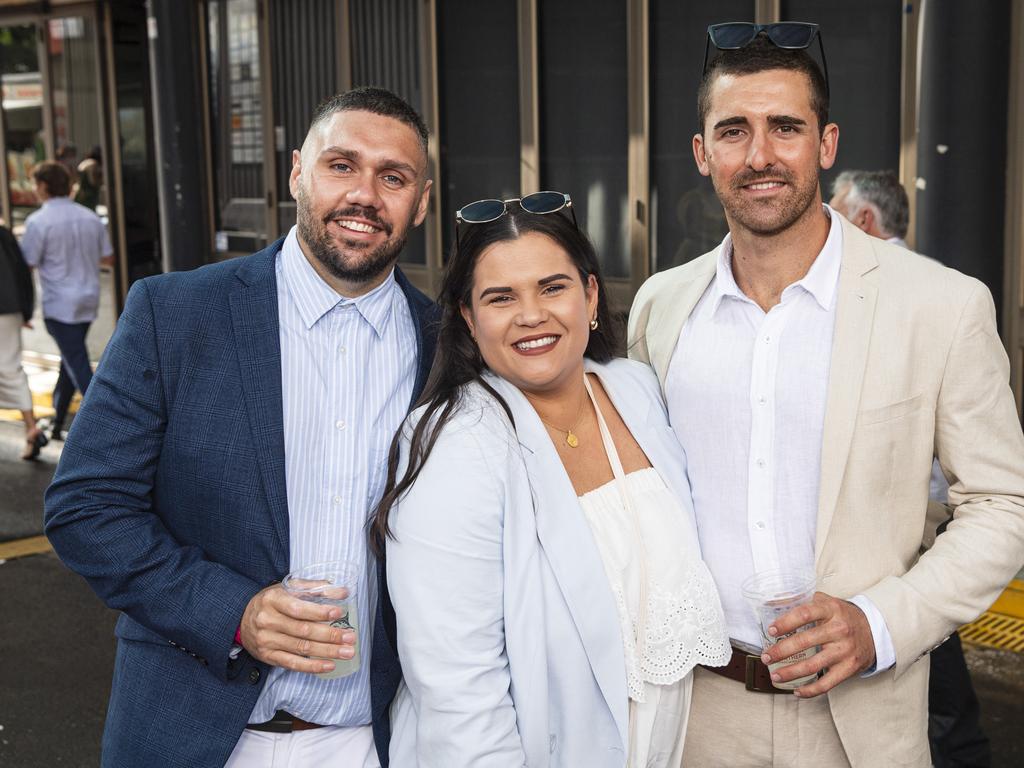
57	645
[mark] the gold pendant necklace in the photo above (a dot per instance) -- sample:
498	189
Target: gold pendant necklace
570	436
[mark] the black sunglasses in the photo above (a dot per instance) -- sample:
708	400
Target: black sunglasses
788	35
483	211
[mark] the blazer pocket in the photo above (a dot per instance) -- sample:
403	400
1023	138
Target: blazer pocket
890	412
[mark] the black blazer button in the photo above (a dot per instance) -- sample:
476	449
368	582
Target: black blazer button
254	676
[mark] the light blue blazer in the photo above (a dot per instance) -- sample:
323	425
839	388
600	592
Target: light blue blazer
507	628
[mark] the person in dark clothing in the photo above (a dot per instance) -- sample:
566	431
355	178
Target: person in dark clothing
17	299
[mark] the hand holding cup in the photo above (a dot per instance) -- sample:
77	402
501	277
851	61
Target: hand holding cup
841	631
306	624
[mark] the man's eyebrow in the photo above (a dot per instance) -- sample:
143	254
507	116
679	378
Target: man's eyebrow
336	150
738	120
785	120
353	154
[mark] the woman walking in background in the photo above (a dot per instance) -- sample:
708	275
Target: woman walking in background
17	299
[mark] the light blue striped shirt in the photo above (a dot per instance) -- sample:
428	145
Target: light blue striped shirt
347	371
65	242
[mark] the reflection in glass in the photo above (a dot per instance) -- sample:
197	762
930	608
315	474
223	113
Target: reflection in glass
864	40
75	98
584	124
237	125
22	116
686	218
478	70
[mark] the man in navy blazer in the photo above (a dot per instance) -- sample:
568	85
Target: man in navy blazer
178	502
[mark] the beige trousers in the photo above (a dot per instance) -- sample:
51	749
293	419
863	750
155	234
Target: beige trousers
14	392
731	727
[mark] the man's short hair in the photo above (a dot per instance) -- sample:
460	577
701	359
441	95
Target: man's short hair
379	101
759	56
883	190
55	176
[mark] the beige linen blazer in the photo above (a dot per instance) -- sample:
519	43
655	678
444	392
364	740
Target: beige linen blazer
917	370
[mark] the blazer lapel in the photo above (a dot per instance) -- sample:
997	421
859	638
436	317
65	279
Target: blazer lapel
670	311
425	315
258	346
565	536
851	340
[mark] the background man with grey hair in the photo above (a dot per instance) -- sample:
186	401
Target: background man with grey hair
877	203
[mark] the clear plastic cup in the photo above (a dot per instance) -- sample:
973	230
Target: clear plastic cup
333	583
772	594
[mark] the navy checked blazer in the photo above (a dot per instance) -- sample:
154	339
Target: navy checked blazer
170	500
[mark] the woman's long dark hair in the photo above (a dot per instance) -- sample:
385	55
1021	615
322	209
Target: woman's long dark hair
457	360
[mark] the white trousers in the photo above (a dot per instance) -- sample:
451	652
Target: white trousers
14	391
330	745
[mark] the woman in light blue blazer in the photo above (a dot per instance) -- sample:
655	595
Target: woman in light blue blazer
542	555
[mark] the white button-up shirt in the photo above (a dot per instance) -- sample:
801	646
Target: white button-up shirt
348	368
65	242
746	394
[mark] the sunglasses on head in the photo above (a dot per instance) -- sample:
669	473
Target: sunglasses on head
788	35
483	211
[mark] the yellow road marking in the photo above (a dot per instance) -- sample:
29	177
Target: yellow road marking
1011	602
34	545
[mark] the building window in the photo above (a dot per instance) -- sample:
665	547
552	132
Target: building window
686	218
583	119
479	95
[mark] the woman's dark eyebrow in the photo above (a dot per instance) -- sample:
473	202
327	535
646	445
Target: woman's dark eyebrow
552	278
498	289
508	289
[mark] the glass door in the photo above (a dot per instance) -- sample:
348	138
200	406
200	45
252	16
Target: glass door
237	132
24	124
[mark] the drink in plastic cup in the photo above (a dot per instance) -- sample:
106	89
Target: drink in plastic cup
772	594
331	583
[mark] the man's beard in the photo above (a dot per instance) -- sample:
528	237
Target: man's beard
363	268
766	217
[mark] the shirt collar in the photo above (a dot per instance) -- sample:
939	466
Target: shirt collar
821	279
314	298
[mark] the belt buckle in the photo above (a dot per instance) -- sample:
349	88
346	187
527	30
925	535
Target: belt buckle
751	676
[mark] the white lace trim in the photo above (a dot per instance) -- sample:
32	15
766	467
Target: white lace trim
685	627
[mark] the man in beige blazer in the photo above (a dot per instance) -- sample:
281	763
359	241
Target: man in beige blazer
811	373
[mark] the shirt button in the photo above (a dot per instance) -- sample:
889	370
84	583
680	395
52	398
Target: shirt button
761	463
762	399
767	339
759	525
340	423
342	350
337	499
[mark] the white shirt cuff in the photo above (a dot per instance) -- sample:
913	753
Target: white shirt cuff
885	653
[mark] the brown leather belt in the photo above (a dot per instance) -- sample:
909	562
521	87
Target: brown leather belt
283	722
747	669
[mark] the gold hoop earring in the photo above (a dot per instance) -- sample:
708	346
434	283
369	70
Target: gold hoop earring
593	324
